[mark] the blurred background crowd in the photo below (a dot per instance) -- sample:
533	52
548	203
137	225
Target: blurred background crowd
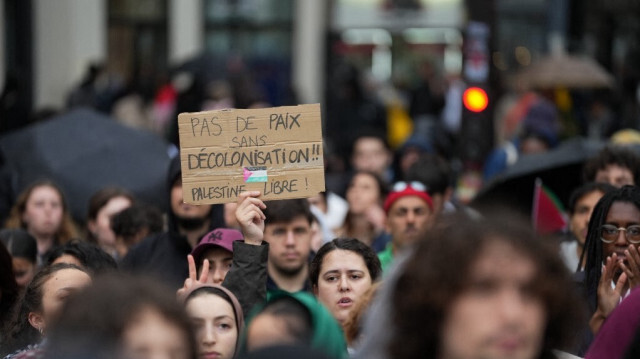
398	68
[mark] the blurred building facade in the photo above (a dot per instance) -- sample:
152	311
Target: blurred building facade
50	44
47	45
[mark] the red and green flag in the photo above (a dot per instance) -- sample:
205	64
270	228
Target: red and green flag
547	214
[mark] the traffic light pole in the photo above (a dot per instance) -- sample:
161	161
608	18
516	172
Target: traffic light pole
476	138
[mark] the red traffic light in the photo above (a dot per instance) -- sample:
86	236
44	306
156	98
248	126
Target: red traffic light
475	99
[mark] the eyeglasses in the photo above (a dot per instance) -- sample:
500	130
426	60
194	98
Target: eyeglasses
610	233
401	186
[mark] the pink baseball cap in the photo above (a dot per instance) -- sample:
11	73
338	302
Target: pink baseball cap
219	237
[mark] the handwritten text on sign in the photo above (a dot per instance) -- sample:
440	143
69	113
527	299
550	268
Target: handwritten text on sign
277	151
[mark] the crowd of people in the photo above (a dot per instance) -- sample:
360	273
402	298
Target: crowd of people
388	262
405	271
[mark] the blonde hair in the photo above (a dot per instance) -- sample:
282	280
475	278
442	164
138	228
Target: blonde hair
67	229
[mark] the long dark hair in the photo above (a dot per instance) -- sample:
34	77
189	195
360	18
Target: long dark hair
20	333
576	195
593	244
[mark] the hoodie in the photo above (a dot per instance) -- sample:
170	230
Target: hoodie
164	255
327	334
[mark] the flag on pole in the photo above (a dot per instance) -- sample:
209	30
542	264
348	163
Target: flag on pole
547	214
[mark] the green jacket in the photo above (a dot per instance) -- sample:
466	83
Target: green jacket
327	333
386	257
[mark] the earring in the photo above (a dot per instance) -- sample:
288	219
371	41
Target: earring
41	330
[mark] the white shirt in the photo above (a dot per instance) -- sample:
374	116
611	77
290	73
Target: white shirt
569	255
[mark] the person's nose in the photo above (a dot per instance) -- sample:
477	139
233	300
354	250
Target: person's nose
48	208
511	306
290	239
344	284
209	335
218	276
411	217
622	238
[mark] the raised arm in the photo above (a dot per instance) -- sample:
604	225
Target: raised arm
247	278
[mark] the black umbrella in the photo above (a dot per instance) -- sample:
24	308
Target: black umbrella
205	66
559	169
84	151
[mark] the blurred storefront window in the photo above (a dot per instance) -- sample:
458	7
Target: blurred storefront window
521	30
137	41
390	38
258	34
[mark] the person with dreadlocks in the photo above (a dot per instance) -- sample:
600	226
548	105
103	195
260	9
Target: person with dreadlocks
612	267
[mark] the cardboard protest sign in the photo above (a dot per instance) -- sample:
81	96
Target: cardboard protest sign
277	151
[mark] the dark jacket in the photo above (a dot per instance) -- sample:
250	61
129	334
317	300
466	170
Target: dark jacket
248	274
165	255
272	286
585	338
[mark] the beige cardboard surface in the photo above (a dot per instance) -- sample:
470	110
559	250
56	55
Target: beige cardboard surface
277	151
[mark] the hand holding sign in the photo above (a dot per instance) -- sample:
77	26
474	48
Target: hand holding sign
250	217
277	151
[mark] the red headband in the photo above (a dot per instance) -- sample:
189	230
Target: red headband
407	191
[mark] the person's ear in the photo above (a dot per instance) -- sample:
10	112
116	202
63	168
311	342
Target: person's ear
37	321
315	290
91	225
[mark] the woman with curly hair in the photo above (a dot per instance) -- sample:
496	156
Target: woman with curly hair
40	306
